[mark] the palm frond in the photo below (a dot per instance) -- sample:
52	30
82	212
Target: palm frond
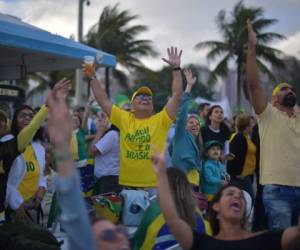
262	23
264	38
220	70
210	45
264	69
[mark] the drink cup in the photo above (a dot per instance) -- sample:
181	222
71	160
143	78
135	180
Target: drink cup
89	64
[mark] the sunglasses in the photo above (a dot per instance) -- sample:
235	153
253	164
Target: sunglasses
141	97
112	234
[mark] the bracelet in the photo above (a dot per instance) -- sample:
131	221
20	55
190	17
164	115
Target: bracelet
93	77
176	69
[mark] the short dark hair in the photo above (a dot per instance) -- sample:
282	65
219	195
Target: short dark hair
202	105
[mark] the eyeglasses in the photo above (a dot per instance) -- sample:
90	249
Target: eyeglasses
24	115
112	234
141	97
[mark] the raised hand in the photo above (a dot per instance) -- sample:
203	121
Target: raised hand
62	86
251	35
189	77
174	57
59	121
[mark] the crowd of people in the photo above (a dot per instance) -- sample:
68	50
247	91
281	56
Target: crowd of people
200	176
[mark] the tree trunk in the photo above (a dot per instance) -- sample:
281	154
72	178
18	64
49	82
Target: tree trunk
107	81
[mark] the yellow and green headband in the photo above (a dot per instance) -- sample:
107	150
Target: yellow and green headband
279	87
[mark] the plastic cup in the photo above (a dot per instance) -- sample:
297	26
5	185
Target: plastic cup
89	64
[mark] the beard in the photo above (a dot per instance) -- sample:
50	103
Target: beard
289	100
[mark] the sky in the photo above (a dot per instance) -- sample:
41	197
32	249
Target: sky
181	23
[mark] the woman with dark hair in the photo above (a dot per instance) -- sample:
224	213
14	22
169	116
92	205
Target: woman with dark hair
242	167
26	183
215	128
11	148
227	218
153	232
186	145
106	149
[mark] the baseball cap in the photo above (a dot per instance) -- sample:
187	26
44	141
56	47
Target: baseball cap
211	143
279	86
141	90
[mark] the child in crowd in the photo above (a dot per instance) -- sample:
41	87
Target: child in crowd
214	174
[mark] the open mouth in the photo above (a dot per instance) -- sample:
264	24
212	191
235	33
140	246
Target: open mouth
236	206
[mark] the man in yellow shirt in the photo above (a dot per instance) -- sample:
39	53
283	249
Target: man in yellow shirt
279	130
139	128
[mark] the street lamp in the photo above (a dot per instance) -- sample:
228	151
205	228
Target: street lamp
79	75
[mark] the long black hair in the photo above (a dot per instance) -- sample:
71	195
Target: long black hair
14	124
111	128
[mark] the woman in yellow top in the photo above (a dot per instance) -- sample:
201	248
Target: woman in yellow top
26	183
242	167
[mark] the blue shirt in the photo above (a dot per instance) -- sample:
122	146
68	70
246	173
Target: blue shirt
74	216
213	175
183	148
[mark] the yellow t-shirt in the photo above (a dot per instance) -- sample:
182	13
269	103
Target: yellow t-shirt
136	138
280	147
30	181
250	161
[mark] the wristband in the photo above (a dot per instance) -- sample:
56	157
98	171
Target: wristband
93	77
176	69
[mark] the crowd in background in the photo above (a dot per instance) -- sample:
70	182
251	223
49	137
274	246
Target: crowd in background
190	180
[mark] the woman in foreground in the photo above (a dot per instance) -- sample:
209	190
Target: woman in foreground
227	220
74	216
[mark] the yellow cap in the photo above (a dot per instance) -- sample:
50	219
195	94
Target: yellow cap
279	86
141	90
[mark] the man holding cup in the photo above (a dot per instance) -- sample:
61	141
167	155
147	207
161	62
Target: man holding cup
140	128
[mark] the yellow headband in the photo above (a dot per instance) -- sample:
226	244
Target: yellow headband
279	87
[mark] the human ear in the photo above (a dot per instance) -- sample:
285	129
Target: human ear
216	207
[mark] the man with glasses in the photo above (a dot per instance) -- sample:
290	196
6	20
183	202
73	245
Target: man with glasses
140	128
279	130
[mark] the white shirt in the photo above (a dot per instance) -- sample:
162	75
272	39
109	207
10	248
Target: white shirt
108	161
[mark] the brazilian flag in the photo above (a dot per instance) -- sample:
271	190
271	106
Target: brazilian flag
154	233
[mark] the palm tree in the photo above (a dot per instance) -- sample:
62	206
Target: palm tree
114	34
234	44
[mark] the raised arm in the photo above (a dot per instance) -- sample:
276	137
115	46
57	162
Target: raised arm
185	100
178	227
26	134
74	216
258	94
174	60
98	91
